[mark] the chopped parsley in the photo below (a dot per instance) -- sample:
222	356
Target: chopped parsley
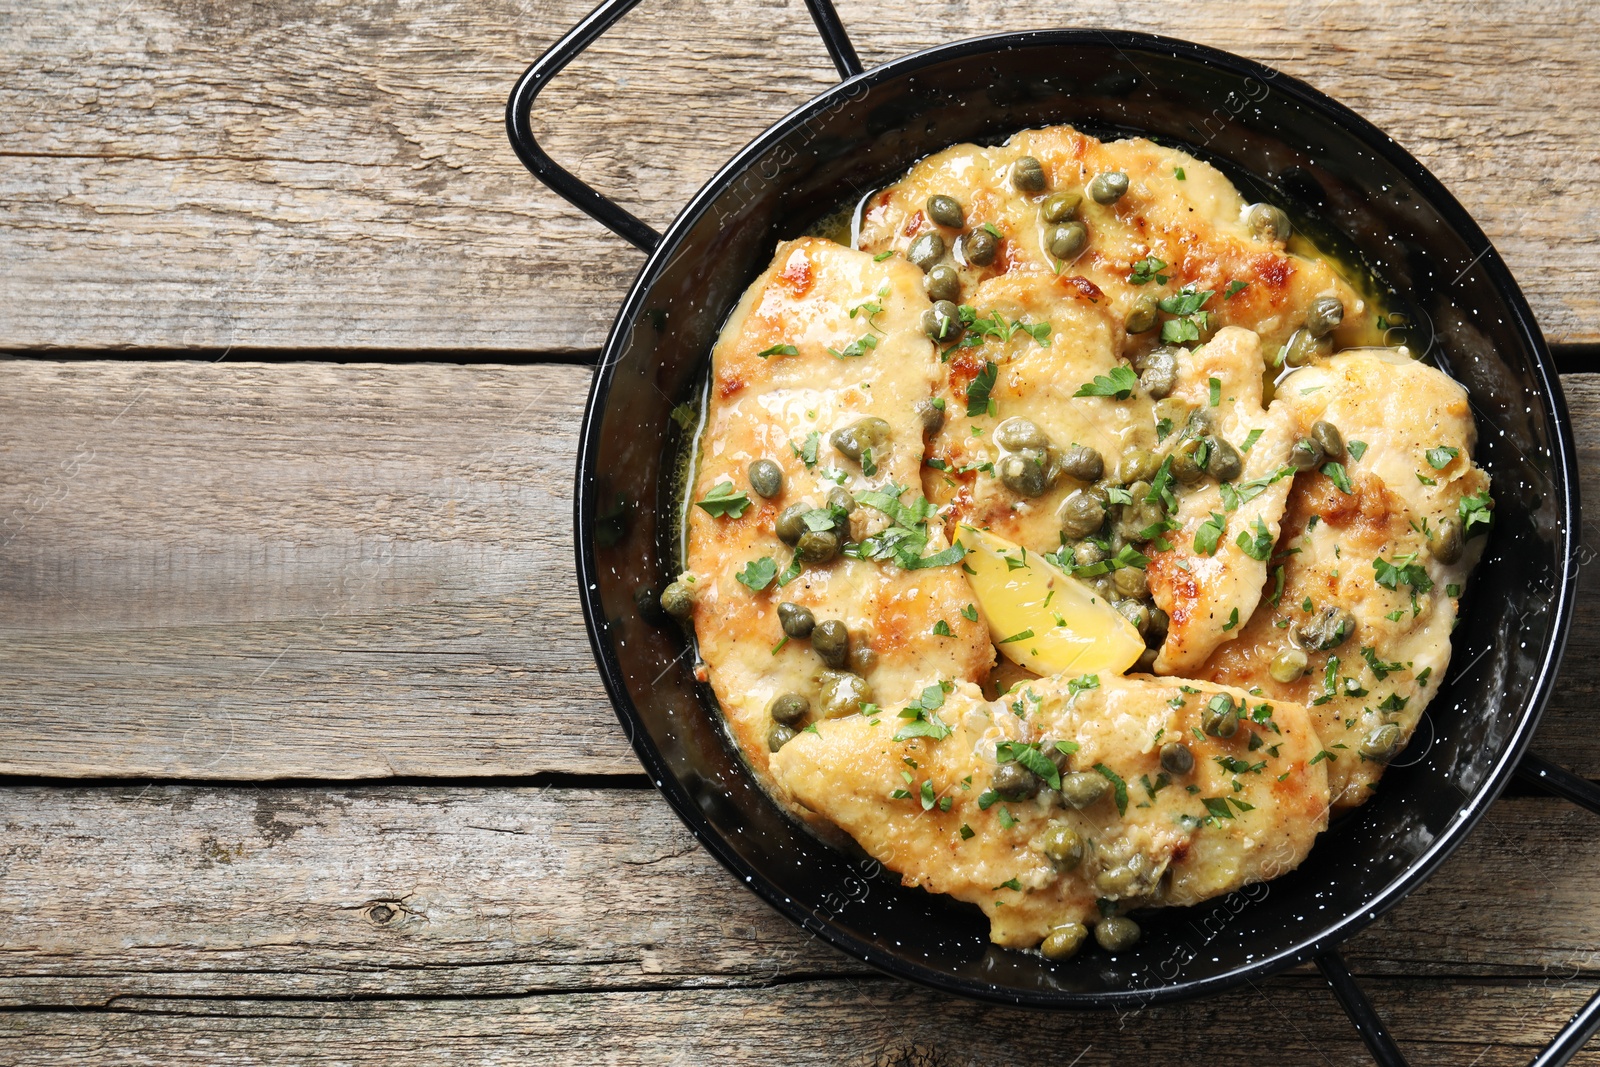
1234	288
1118	384
1215	385
1380	668
941	629
1357	449
859	347
1076	686
1258	546
1118	786
1439	458
1148	269
1476	514
1233	617
978	400
1030	757
970	613
758	574
922	720
1250	439
1209	534
724	501
779	350
1022	636
1336	473
807	452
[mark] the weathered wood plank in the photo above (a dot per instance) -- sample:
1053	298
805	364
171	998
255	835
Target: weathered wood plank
257	571
240	571
231	920
348	184
863	1022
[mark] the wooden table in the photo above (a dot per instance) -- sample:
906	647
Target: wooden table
306	758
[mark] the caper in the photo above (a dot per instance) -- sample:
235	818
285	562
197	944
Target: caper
942	283
831	641
840	693
1288	666
817	546
862	659
1328	436
1223	461
1087	553
1142	316
853	440
1018	433
844	499
1067	240
1027	175
1382	743
1159	621
1133	519
931	414
945	210
677	600
1160	373
766	478
1136	613
1063	845
1303	348
1083	463
1116	933
1306	455
1082	788
1108	187
1124	879
779	736
1058	207
1137	465
1013	781
979	247
789	708
926	250
1446	541
796	620
1326	313
1130	582
1081	513
942	322
791	523
1220	716
1063	942
1022	474
1201	422
1176	758
1267	223
1326	629
1186	463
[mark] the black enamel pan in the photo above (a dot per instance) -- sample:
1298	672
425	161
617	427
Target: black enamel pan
1281	140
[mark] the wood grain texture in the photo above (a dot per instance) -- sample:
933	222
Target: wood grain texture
313	174
305	570
197	925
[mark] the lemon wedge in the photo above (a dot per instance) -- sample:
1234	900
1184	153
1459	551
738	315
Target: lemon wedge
1042	618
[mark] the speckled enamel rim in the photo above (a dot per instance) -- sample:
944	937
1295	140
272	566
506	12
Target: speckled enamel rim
1563	459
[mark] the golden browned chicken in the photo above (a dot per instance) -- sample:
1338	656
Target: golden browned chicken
1143	791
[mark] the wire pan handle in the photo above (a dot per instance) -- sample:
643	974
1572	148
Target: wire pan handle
1537	771
519	112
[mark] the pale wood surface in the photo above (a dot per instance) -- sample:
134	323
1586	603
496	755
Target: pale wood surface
306	570
232	572
211	173
355	925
